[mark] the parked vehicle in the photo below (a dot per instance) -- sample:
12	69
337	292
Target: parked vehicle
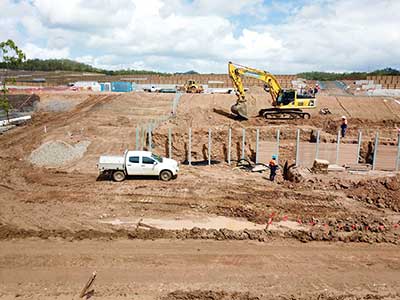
151	89
143	163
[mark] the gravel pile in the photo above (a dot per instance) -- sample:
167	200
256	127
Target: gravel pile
57	153
57	106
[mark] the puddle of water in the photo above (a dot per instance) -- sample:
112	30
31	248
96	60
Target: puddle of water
217	222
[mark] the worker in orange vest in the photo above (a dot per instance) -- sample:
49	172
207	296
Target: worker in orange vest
273	166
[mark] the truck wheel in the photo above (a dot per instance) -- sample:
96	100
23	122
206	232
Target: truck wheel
118	176
165	175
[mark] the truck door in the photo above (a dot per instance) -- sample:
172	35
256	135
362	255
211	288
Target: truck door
149	166
133	165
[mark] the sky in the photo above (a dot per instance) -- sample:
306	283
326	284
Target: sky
282	37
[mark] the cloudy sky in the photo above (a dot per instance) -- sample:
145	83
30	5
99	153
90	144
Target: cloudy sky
203	35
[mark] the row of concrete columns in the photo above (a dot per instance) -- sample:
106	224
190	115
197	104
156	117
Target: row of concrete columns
139	145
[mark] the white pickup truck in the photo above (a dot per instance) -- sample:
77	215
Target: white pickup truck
143	163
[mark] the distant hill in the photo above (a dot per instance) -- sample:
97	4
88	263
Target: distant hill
191	72
327	76
72	66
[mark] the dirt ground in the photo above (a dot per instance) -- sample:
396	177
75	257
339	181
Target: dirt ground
56	269
215	232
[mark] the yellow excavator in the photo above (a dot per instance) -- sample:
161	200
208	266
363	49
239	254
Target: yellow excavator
286	104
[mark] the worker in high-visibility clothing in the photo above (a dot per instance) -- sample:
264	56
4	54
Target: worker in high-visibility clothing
273	166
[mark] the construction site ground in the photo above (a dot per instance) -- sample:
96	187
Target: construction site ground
215	232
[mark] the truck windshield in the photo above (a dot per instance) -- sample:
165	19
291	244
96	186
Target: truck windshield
157	157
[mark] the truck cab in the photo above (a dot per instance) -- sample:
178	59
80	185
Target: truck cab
139	163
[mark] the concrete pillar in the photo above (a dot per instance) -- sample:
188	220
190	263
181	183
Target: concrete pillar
375	150
278	138
137	139
150	138
229	145
297	147
190	147
257	144
169	143
398	152
337	147
243	142
317	144
359	141
209	146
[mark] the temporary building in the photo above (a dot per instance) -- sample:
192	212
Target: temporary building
105	86
88	85
121	86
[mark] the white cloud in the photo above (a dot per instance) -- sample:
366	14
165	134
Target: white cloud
179	35
33	51
84	15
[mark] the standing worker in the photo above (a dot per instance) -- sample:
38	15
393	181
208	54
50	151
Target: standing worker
343	126
316	89
273	166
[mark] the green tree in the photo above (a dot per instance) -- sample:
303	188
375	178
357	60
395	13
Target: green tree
11	57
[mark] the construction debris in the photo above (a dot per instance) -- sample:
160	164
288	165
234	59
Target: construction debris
320	166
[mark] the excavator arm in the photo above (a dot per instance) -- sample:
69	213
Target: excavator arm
236	71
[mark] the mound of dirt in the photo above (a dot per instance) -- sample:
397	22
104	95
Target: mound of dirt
383	192
57	153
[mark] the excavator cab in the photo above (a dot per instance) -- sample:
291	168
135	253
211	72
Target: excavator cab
286	97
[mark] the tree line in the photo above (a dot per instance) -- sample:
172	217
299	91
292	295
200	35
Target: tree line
49	65
328	76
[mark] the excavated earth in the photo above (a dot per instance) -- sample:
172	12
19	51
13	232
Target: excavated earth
216	232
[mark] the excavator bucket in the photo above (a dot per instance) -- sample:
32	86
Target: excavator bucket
240	109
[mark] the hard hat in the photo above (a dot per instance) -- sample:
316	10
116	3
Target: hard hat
343	117
274	156
316	84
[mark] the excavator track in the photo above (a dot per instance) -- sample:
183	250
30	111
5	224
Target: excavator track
283	114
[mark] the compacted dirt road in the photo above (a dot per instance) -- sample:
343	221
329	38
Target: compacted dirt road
56	269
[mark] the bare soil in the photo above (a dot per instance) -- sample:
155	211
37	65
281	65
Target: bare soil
55	224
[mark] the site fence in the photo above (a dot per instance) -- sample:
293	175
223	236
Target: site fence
213	146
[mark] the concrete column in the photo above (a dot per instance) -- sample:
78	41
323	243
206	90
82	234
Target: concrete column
317	144
359	141
257	144
190	147
243	142
150	138
337	147
375	150
137	139
398	152
229	145
278	138
297	147
169	143
209	146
